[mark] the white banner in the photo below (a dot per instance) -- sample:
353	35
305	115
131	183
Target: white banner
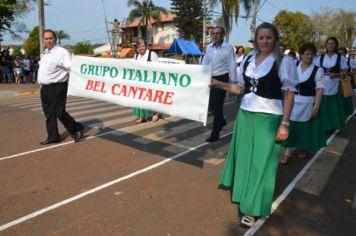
174	89
170	60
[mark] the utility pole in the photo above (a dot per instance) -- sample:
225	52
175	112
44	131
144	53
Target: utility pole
204	23
256	3
106	25
41	20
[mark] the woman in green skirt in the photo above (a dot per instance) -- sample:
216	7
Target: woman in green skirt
332	113
305	131
347	101
261	125
145	55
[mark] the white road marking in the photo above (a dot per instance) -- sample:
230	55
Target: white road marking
39	103
106	185
101	109
168	132
292	184
118	132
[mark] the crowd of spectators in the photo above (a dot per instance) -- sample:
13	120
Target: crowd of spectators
19	70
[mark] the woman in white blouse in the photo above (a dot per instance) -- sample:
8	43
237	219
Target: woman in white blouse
305	131
144	54
261	125
332	113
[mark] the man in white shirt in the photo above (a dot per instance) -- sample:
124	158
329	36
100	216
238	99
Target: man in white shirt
221	56
53	76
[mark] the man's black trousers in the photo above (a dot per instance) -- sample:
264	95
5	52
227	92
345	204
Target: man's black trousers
54	98
216	102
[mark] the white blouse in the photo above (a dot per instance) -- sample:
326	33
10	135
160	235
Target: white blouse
303	105
287	74
331	84
238	59
144	57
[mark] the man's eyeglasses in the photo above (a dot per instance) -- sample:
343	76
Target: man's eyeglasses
216	33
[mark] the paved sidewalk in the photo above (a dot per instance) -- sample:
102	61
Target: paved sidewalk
19	89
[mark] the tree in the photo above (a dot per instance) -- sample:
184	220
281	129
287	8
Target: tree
338	23
9	11
82	48
32	43
231	11
146	12
16	53
189	18
295	28
61	35
344	24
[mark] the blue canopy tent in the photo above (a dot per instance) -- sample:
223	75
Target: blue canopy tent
184	47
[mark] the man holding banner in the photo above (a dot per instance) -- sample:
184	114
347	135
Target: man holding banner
221	56
53	76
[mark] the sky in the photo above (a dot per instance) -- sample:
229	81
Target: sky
85	19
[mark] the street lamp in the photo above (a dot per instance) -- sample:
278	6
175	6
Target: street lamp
115	37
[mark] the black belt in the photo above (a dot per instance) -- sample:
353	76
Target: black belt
54	84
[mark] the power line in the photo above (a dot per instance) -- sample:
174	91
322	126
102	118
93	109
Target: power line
261	5
273	5
86	31
220	14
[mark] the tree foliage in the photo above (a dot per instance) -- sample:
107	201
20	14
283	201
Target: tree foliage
231	11
338	23
295	28
189	18
61	34
16	53
146	11
82	48
32	43
10	10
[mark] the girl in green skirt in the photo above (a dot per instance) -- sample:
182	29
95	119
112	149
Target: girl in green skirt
305	131
261	125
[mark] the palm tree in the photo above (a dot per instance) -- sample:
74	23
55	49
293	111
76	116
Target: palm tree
61	35
147	12
231	11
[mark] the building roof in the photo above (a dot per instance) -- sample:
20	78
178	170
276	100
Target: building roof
159	46
127	52
169	17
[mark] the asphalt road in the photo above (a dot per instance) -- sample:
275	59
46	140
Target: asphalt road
151	179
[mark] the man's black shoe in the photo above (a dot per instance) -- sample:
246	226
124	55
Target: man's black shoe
47	141
213	137
78	135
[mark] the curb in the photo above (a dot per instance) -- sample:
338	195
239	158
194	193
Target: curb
29	93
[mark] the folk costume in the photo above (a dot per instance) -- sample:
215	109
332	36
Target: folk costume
347	101
332	112
148	56
305	131
251	165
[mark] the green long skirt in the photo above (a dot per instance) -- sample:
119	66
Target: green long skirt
332	113
348	106
252	161
142	113
307	135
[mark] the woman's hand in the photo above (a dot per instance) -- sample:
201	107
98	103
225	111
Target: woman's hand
315	111
216	84
282	133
